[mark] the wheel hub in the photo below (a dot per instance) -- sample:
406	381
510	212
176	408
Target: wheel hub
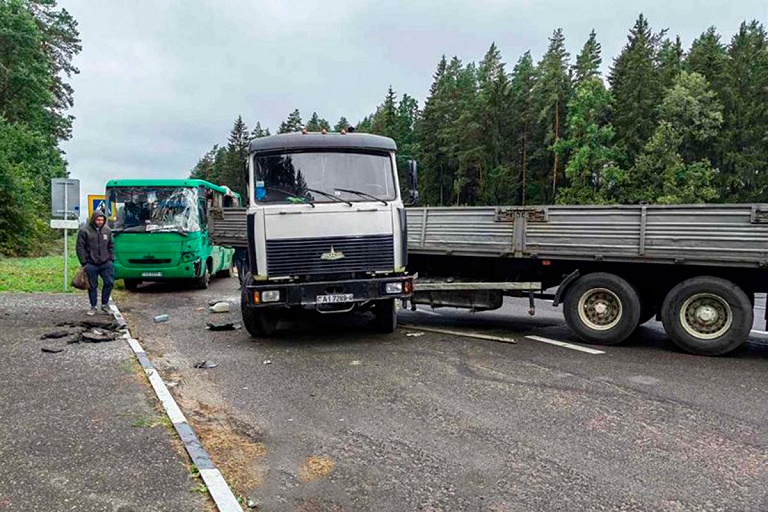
600	309
706	316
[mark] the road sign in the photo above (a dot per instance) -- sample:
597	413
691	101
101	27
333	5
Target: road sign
65	224
96	201
65	198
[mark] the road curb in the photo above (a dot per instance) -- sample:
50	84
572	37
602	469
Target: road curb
217	486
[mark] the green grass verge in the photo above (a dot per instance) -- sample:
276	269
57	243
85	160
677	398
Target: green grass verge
43	274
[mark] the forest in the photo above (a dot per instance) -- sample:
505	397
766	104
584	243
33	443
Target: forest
667	124
37	45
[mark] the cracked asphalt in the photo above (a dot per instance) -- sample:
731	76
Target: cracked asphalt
350	420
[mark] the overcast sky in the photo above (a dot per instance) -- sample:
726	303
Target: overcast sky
162	81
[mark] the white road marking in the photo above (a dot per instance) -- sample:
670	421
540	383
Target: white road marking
460	333
566	345
427	312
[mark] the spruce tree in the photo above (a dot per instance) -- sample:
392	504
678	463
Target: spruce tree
234	174
708	58
292	124
636	90
343	124
317	124
432	160
670	61
522	89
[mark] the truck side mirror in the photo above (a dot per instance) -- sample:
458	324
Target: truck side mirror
413	181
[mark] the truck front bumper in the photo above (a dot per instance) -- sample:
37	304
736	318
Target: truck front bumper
321	293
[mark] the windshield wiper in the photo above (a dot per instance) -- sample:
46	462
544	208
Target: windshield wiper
326	194
362	194
168	229
293	198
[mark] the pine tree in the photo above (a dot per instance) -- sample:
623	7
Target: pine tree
522	89
234	174
343	124
552	95
636	90
670	61
385	120
430	156
259	132
317	124
588	61
745	157
292	124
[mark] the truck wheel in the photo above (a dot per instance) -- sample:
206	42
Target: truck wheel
385	316
259	322
708	316
602	308
131	284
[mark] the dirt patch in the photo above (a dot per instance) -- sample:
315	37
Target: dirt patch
233	445
315	467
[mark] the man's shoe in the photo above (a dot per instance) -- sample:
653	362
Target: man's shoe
91	312
106	309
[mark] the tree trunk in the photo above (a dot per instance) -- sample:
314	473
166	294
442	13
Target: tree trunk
557	155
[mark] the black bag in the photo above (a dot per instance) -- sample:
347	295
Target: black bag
80	280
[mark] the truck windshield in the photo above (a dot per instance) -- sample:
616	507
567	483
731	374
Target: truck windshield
321	176
153	209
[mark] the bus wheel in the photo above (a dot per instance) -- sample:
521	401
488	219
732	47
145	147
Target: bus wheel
602	308
707	316
201	283
131	284
227	272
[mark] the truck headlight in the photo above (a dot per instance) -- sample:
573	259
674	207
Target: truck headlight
270	296
392	288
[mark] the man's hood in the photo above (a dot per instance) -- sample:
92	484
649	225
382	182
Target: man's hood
95	215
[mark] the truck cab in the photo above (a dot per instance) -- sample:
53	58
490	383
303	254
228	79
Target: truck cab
326	228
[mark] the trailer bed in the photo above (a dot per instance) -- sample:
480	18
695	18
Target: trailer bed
713	235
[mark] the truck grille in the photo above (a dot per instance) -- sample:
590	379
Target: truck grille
308	256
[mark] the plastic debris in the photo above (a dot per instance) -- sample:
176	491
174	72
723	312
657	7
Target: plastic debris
414	334
52	350
219	307
251	503
204	365
161	318
267	361
170	383
229	326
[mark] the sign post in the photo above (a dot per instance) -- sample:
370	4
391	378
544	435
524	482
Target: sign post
65	203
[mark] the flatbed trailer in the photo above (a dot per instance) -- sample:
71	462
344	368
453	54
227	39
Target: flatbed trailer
694	267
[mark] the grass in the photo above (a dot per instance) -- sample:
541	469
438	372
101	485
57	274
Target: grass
41	274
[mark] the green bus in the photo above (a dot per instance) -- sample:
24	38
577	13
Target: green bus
160	229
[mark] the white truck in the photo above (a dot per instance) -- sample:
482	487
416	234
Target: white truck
325	229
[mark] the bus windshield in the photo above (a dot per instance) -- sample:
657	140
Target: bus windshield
324	177
153	209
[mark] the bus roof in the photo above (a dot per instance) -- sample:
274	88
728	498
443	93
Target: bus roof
313	140
190	183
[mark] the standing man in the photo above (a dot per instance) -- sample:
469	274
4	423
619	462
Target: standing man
96	252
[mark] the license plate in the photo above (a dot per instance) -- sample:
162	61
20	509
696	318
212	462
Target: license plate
335	298
151	274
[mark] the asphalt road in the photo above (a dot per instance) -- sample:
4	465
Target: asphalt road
337	418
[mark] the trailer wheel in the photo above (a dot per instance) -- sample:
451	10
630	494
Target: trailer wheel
385	316
602	308
259	322
707	316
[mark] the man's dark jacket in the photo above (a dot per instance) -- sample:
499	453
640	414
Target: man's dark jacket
94	245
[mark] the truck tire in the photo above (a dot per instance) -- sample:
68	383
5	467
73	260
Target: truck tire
602	308
707	316
131	284
259	322
385	316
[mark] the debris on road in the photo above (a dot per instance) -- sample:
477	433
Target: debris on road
267	361
171	383
97	336
220	307
55	335
414	334
52	350
204	365
251	503
228	326
161	318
